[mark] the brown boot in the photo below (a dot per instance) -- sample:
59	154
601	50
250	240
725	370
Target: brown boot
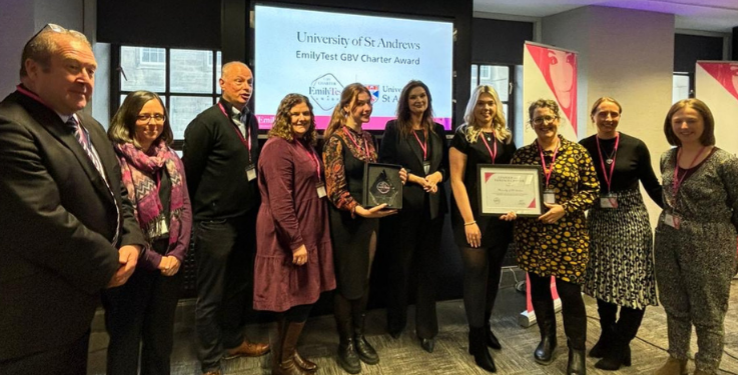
673	366
303	363
287	343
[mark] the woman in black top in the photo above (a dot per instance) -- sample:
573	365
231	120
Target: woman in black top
620	271
483	240
419	145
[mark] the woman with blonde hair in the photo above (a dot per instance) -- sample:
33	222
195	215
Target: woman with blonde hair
293	236
483	240
353	228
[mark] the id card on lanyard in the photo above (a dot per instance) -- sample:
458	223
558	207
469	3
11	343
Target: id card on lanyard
320	185
549	194
424	147
251	167
610	200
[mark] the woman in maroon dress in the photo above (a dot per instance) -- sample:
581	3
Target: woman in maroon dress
294	257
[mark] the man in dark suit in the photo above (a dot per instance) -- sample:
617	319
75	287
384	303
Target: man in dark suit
220	158
67	227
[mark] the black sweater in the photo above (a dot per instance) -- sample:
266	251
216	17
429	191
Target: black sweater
215	161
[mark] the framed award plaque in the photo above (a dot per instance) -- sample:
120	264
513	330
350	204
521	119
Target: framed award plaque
504	188
382	184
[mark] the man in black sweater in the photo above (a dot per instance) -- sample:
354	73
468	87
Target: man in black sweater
220	158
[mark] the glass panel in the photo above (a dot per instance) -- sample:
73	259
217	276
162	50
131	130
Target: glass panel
144	68
680	88
506	112
184	109
191	71
497	77
474	76
219	61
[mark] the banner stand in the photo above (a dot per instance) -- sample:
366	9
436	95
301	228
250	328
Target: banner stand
527	318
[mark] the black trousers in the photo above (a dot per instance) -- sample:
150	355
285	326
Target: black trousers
572	307
225	251
415	244
139	317
69	359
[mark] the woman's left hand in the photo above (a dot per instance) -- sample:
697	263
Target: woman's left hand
169	266
403	175
432	181
555	212
300	256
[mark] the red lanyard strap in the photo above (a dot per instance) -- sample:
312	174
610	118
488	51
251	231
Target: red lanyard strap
423	145
313	156
677	182
546	171
492	154
608	176
246	142
365	148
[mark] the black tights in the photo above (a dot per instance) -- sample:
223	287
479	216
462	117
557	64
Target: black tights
482	270
572	306
629	322
297	314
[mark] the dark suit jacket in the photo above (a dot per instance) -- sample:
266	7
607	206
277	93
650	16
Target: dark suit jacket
57	222
406	151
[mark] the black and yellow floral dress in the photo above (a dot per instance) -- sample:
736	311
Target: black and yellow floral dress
560	249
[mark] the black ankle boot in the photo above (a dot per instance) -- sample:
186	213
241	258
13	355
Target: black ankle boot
544	351
478	348
546	318
616	357
577	364
491	339
347	358
365	351
602	346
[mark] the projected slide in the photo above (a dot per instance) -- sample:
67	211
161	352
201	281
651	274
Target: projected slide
318	53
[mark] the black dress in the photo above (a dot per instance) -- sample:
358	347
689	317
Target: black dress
494	231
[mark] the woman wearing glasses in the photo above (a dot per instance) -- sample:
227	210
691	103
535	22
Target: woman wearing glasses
620	271
557	243
483	240
142	310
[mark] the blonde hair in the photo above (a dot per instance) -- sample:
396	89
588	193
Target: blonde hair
348	98
282	126
502	133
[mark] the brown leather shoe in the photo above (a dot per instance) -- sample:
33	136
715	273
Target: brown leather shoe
248	349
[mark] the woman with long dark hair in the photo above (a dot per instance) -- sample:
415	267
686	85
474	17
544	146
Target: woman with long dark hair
482	240
139	315
417	143
353	228
294	256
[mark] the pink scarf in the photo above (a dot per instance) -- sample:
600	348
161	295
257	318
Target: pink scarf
139	172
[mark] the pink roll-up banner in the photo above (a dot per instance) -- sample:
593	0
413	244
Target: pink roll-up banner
716	84
548	73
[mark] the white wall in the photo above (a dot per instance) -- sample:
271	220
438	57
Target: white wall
625	54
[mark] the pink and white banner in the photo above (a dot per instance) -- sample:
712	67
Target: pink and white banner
716	83
550	73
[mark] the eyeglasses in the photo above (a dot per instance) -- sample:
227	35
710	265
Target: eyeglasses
146	117
544	119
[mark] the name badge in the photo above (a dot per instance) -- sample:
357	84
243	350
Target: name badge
251	172
321	190
426	167
673	221
609	201
549	196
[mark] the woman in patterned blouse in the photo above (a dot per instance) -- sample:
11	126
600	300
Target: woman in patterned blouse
557	243
353	227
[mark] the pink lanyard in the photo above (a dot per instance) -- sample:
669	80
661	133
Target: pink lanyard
677	182
312	154
245	142
366	149
492	154
423	145
608	176
547	172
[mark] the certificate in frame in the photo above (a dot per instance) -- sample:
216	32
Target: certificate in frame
504	188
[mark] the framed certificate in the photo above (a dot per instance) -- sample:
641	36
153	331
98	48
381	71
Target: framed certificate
504	188
382	184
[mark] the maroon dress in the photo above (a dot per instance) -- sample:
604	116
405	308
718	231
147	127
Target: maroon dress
291	214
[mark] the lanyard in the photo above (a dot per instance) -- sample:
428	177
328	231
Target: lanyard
677	182
492	154
366	149
312	154
608	176
246	142
547	172
423	145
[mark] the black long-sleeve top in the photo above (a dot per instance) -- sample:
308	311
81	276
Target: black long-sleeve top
632	163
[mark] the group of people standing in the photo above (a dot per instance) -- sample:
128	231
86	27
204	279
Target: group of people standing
274	228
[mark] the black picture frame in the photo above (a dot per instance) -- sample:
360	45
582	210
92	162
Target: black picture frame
504	188
382	184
